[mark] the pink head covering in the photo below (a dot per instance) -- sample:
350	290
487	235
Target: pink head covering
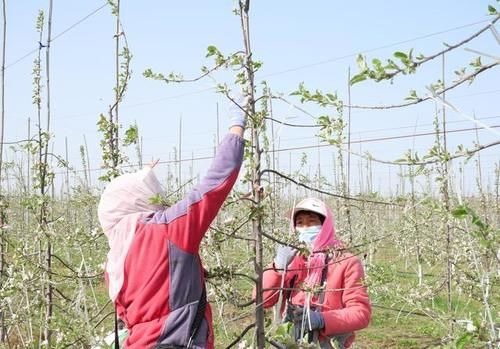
124	201
325	239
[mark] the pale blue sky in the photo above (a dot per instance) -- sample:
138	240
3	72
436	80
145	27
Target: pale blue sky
297	41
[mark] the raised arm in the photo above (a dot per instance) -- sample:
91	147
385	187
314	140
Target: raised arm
190	218
237	130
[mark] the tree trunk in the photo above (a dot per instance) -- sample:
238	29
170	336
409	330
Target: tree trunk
257	219
2	212
44	185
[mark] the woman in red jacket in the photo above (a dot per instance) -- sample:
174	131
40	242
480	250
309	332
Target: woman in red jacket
153	270
325	297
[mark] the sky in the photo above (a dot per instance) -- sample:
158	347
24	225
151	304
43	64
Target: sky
314	42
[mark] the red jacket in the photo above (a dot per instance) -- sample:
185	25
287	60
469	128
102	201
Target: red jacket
346	307
163	275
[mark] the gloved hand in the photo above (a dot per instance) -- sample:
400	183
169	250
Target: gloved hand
284	255
315	319
238	115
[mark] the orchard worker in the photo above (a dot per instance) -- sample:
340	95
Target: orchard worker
325	298
153	269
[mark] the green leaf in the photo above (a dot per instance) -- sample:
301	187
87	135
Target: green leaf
391	65
156	199
464	340
283	330
361	61
478	222
492	10
211	50
257	65
476	63
131	135
413	96
400	55
420	57
358	78
460	212
331	97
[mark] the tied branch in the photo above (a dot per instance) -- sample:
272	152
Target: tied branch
326	192
418	100
409	64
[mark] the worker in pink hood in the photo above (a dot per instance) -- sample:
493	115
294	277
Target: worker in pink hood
153	270
325	298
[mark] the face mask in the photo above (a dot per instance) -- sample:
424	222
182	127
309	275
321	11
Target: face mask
308	234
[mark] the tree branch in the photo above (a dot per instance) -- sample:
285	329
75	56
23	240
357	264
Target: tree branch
20	141
77	274
325	192
448	49
206	73
125	79
287	124
248	303
293	105
242	334
422	99
466	152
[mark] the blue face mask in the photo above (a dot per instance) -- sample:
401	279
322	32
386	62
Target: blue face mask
308	234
